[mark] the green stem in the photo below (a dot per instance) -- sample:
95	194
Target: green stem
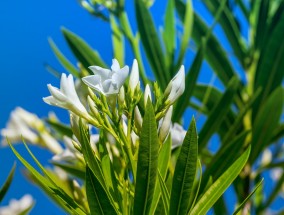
134	42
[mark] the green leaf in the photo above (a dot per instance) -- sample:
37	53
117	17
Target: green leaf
74	170
248	197
47	185
82	51
190	82
61	129
230	27
266	122
218	113
63	60
151	43
147	164
98	200
7	183
117	41
269	73
185	171
187	30
220	185
163	163
165	193
169	33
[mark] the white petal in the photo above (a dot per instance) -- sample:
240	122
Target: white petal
56	93
115	65
52	101
93	81
147	94
120	76
134	76
104	73
63	84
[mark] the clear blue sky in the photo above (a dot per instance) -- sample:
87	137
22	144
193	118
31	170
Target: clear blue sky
25	27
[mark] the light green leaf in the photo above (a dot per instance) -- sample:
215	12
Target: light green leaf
147	164
7	183
169	33
75	170
248	197
220	185
185	171
165	193
82	51
61	129
163	163
57	194
151	43
117	41
98	200
63	60
187	30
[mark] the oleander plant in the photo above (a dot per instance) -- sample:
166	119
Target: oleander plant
126	149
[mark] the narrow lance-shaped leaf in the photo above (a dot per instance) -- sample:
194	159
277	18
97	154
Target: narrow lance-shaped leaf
165	193
220	185
117	41
63	60
248	197
147	164
7	183
187	29
218	113
169	33
163	163
82	51
98	200
151	43
185	171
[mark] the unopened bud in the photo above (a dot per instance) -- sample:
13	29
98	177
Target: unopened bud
147	94
166	124
137	118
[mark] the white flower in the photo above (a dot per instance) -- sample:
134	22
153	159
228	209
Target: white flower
134	77
17	206
17	129
276	173
66	97
166	124
266	157
176	86
147	94
107	81
178	134
50	142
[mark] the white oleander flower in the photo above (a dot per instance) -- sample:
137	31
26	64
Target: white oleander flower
105	81
17	129
147	94
276	173
166	124
50	142
134	77
266	157
16	207
178	135
66	97
176	86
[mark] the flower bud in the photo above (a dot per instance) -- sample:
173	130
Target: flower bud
176	86
121	97
134	77
166	124
137	118
147	94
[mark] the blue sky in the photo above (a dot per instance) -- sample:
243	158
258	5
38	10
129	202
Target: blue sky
25	27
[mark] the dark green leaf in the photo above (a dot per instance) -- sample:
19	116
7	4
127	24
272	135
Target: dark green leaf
151	43
185	172
218	113
190	82
82	51
98	200
63	60
147	164
248	197
165	193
